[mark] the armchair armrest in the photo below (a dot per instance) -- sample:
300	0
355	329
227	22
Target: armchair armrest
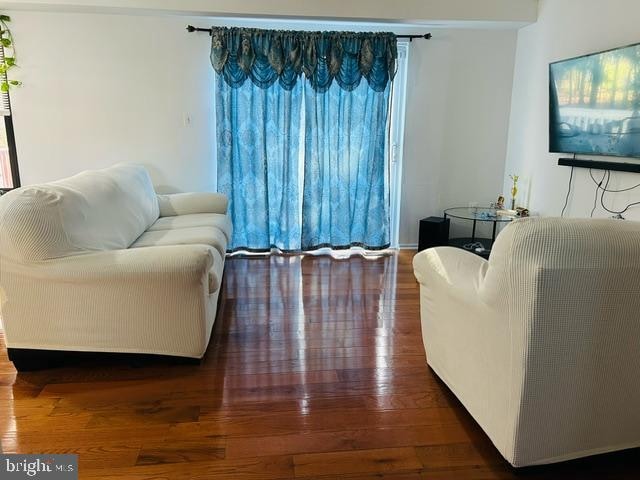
457	268
188	203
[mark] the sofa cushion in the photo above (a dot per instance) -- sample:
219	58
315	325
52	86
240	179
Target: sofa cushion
173	204
223	222
94	210
211	236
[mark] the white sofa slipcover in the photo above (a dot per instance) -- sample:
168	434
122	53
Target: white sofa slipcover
99	263
541	343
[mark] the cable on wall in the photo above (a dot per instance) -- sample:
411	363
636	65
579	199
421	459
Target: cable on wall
606	189
598	185
614	191
566	201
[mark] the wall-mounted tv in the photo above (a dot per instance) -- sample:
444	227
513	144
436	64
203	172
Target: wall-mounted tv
594	104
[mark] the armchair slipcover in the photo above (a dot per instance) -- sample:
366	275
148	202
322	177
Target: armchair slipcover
541	343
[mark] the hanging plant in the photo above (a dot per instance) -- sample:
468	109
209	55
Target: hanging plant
8	60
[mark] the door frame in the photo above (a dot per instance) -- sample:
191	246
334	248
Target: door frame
396	142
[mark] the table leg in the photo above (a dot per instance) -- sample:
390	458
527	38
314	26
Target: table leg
445	221
473	233
493	235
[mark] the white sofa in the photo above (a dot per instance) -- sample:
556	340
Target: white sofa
541	343
99	263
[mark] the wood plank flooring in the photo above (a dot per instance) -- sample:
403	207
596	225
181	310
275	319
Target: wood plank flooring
316	370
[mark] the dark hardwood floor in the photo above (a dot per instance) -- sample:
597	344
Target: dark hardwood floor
315	370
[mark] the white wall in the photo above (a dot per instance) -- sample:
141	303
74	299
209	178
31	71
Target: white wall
99	89
457	120
102	88
414	11
565	28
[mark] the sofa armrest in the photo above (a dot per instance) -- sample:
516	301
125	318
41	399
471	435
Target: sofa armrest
182	264
142	300
459	269
187	203
163	261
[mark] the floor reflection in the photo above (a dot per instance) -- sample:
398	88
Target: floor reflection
317	313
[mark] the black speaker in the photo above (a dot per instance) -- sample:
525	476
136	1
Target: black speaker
434	232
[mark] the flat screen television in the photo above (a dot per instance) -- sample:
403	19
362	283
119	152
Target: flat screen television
594	104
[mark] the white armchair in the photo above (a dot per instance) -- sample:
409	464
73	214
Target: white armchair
541	343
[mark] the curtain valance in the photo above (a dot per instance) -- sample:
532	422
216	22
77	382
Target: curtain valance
267	56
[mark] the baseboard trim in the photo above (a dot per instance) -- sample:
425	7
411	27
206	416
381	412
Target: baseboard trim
409	246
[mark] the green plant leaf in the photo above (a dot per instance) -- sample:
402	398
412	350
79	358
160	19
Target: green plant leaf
6	42
5	18
15	83
3	69
4	87
10	61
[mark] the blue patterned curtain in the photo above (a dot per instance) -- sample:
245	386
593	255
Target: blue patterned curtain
259	163
345	190
301	133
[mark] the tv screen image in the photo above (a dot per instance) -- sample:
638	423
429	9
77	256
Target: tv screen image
594	104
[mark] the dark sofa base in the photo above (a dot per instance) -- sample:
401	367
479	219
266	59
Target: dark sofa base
27	359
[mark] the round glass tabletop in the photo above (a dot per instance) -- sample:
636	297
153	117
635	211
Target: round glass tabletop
481	214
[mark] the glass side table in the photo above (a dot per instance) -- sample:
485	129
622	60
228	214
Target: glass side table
477	214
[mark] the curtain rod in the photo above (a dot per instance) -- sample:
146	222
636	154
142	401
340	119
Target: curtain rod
426	36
